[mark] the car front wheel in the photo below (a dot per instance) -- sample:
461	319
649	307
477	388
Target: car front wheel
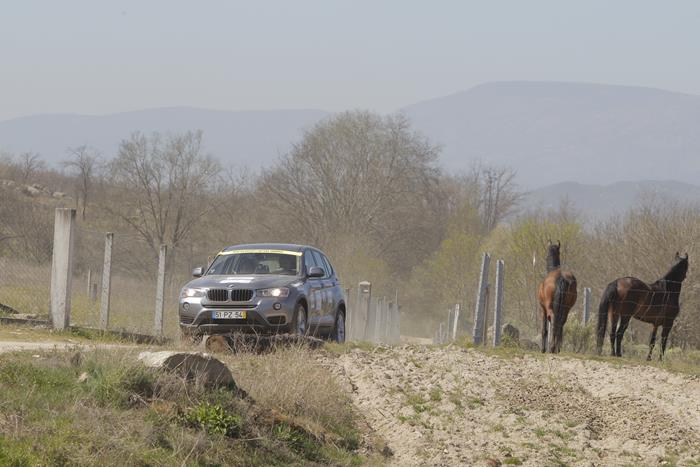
339	328
299	323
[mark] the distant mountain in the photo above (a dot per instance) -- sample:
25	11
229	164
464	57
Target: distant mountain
600	202
547	131
551	132
242	137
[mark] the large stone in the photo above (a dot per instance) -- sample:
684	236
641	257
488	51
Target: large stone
31	191
197	366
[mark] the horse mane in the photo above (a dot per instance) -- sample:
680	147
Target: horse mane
677	271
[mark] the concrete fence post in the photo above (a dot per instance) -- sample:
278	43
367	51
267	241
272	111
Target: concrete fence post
62	267
498	305
448	324
480	309
441	334
396	335
586	305
455	321
378	312
106	281
160	292
364	305
389	320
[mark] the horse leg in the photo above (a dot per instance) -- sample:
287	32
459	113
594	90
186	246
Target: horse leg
652	341
624	322
553	333
544	329
665	331
613	333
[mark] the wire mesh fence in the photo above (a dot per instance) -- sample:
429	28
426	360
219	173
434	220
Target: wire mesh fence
24	287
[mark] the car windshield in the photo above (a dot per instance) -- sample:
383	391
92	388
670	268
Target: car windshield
255	262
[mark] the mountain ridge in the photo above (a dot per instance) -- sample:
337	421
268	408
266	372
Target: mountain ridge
546	130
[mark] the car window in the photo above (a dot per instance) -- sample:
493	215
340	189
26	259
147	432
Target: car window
329	266
309	261
254	263
319	262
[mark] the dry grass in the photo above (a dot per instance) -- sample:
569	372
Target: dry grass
293	381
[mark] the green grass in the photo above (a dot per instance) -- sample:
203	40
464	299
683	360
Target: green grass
95	408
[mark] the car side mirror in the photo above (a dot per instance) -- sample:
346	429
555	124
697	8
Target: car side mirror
316	271
198	272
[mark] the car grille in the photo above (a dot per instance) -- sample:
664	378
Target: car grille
241	295
186	319
217	295
236	295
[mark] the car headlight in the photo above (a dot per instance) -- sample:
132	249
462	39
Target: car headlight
192	292
273	292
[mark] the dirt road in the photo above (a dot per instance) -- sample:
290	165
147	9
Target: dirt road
451	406
16	346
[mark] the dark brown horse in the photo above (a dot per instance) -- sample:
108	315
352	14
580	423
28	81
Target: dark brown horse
655	303
557	295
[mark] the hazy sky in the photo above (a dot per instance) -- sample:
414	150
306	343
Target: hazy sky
100	57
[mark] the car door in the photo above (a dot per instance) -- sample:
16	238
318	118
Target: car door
327	317
314	291
335	292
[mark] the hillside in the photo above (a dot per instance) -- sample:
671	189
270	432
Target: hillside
550	132
547	131
600	202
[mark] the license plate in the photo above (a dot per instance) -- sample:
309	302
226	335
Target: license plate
229	314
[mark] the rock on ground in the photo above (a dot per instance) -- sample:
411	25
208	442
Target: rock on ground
192	365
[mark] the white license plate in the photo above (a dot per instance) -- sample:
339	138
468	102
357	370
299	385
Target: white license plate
229	314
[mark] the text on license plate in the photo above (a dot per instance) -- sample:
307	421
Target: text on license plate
229	314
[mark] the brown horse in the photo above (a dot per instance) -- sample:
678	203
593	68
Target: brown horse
557	295
656	303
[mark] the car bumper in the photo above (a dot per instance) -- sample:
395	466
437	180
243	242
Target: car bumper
261	317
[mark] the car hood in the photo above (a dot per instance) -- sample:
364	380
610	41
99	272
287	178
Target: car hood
244	282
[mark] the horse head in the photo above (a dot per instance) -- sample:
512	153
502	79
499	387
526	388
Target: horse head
553	256
679	268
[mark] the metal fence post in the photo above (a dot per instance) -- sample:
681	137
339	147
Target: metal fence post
160	292
455	320
479	310
586	305
62	267
498	306
106	281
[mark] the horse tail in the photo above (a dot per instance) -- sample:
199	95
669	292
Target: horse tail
560	290
605	302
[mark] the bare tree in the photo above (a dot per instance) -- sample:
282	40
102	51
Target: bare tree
356	173
160	182
499	194
28	165
83	161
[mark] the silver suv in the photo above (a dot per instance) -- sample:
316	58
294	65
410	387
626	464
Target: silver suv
265	289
